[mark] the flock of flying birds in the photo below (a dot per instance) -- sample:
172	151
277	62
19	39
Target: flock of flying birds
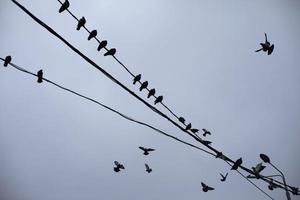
266	47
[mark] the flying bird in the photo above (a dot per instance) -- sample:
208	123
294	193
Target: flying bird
64	6
111	52
257	169
151	93
144	85
102	45
137	78
206	188
7	60
81	23
266	47
93	34
40	76
236	164
118	166
181	119
158	99
224	177
206	132
148	169
188	127
146	150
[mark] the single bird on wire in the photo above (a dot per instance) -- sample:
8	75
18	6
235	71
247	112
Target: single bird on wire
236	164
40	76
64	6
118	166
81	23
151	93
93	34
195	130
137	78
206	132
224	177
146	150
144	85
102	45
206	188
188	127
148	169
182	120
7	60
266	47
158	100
111	52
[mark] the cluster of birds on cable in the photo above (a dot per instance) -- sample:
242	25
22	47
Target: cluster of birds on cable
118	166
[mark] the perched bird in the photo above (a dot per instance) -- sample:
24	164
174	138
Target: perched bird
295	190
257	169
40	76
266	47
111	52
194	130
236	164
271	185
181	119
102	45
206	142
81	23
7	60
219	155
64	6
151	93
118	166
206	132
205	187
144	85
224	177
188	127
158	99
146	150
93	34
137	78
148	169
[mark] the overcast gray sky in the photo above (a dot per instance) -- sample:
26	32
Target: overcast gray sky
198	54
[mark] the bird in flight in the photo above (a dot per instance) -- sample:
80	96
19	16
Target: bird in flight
102	45
206	132
40	76
148	169
151	93
224	177
118	166
236	164
92	34
81	23
111	52
64	6
146	150
266	47
206	188
144	85
137	78
7	60
158	99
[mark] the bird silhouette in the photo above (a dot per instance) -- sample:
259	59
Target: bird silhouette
181	119
151	93
266	47
295	190
271	185
7	60
144	85
257	169
188	127
206	142
158	100
111	52
137	78
93	34
102	45
40	76
81	23
206	132
118	166
236	164
224	177
206	188
64	6
195	130
219	155
146	150
148	169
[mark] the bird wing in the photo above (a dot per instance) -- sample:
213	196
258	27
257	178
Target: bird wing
142	148
258	50
210	188
147	166
121	166
149	149
116	163
226	175
222	175
270	50
266	38
203	184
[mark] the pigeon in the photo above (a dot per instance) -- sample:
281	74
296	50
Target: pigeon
188	127
137	78
111	52
102	45
194	130
271	185
146	150
158	99
151	93
93	34
266	47
40	76
206	132
64	6
148	169
205	187
181	119
224	177
236	164
206	142
259	167
144	85
118	166
219	155
7	60
81	23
